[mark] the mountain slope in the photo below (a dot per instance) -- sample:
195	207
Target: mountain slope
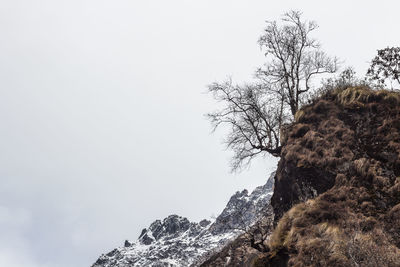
337	189
175	241
336	196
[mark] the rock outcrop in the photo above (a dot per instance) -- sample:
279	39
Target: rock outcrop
337	187
342	161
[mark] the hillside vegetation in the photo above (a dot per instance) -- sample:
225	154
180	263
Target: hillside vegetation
337	188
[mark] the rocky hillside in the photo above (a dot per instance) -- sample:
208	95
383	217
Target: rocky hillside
175	241
341	163
337	187
336	199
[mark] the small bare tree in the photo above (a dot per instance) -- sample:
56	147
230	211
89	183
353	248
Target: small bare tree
386	66
257	112
258	232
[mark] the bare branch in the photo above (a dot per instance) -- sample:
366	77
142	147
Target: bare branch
293	57
254	123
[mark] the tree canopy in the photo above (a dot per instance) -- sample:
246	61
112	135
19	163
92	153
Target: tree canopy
386	67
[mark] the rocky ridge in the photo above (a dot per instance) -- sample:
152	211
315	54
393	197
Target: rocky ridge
175	241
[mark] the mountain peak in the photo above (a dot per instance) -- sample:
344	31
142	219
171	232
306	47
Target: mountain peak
175	241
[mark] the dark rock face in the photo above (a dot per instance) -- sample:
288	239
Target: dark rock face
175	241
127	244
170	227
294	185
204	223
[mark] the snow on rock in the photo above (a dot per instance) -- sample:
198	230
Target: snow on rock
175	241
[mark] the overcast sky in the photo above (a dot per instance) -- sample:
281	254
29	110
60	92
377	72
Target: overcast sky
102	105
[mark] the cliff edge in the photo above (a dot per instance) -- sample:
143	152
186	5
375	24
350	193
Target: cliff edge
337	187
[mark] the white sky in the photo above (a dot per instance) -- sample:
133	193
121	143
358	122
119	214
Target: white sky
102	105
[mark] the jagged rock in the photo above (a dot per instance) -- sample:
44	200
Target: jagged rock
204	223
175	241
243	209
247	247
297	185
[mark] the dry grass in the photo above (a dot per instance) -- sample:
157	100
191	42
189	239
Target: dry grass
353	133
326	145
329	233
355	96
299	115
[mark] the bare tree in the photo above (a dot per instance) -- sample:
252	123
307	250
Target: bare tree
386	66
257	112
293	58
